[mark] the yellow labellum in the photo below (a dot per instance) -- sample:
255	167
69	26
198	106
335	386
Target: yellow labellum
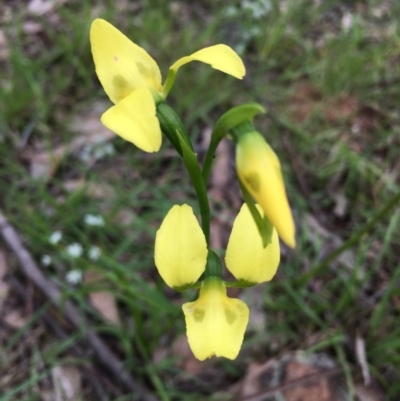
215	323
180	248
246	258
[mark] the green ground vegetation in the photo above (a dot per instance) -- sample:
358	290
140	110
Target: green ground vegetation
328	73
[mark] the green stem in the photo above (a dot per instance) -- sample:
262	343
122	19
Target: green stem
210	156
172	127
242	129
168	83
351	241
193	168
170	123
213	266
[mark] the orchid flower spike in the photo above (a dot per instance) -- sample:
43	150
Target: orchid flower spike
132	80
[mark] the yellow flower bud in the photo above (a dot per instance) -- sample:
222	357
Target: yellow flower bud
260	172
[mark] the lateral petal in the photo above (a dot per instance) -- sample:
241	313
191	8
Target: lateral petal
220	57
121	65
246	258
134	119
180	248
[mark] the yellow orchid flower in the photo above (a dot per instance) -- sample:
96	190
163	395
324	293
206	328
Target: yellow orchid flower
215	323
260	172
180	248
246	258
132	81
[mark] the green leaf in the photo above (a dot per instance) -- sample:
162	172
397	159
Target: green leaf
226	122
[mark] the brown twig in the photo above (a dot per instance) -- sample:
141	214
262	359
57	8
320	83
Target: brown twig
105	355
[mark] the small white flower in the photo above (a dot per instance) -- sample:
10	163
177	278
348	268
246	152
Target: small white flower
94	253
230	11
94	220
46	260
74	250
106	149
74	276
257	8
347	22
55	237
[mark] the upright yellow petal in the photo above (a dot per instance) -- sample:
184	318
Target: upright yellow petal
180	248
220	57
121	66
246	258
134	119
260	172
215	323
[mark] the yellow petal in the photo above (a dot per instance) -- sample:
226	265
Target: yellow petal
134	119
246	258
215	323
121	66
180	248
220	57
260	172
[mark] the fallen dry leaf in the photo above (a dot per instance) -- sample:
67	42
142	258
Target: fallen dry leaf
15	318
3	46
317	390
364	393
67	383
251	382
296	376
103	301
188	363
32	27
41	7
